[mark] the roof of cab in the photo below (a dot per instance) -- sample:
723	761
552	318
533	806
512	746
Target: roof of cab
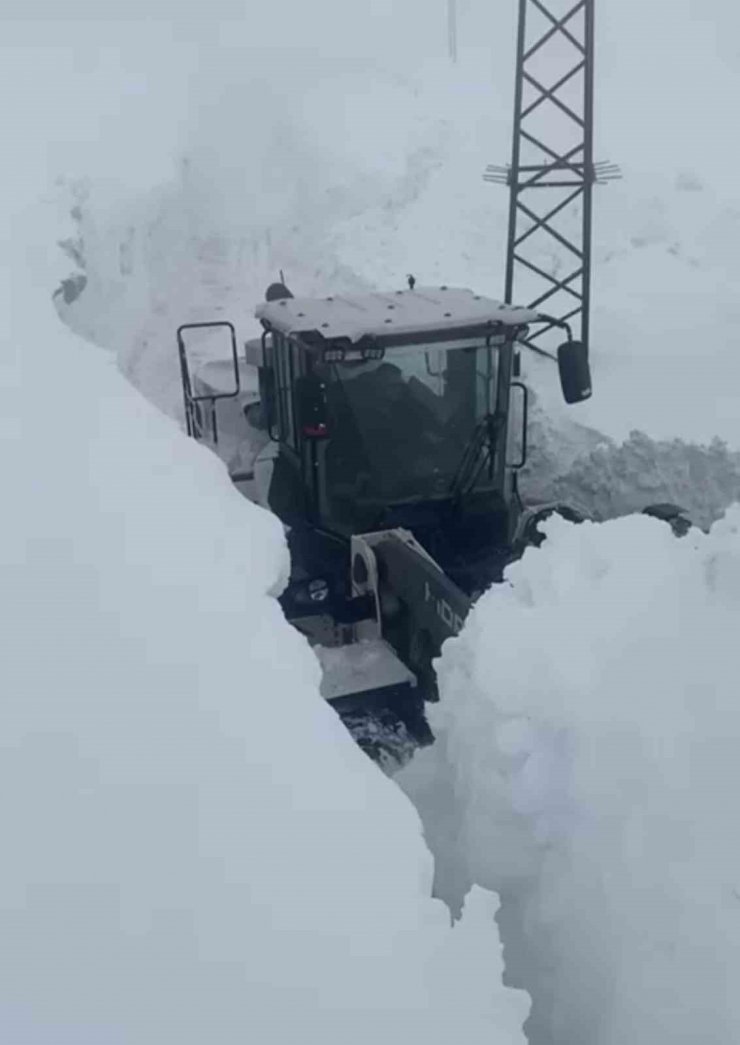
396	313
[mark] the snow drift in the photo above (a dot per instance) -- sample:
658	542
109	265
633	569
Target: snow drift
194	849
586	767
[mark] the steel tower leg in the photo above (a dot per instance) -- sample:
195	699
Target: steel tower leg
548	256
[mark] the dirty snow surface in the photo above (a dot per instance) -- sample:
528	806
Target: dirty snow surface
194	850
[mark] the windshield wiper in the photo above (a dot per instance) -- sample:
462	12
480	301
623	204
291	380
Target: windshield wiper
478	453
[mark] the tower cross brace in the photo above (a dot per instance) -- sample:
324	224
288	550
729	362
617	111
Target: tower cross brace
552	171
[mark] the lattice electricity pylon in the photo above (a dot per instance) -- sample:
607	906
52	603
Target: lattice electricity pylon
548	261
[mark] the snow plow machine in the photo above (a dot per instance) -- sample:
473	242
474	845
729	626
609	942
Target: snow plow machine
386	431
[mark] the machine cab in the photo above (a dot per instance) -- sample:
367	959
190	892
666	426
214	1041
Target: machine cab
391	407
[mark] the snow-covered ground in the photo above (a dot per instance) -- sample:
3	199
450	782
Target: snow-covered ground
196	851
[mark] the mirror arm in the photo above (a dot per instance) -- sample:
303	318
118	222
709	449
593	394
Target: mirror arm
561	323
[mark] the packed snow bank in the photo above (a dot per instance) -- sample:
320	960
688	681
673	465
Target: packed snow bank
194	850
586	767
573	464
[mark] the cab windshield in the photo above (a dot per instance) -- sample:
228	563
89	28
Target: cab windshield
400	426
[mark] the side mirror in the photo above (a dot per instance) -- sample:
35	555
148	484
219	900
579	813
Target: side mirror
310	400
575	373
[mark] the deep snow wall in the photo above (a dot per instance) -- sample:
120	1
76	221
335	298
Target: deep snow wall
194	850
586	767
194	847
